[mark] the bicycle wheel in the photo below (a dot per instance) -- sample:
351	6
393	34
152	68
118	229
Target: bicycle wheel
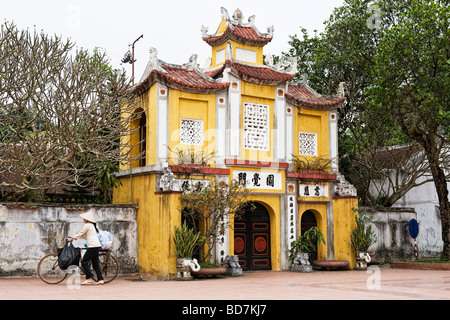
110	267
49	271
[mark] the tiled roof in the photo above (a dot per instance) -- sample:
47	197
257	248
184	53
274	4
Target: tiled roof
302	95
242	34
259	74
183	78
391	157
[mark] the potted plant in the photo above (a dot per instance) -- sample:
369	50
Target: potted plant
190	158
185	240
311	164
302	247
361	238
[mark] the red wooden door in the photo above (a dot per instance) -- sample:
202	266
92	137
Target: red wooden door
252	239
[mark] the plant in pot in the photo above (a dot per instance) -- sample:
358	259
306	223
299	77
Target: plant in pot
210	207
186	240
191	158
302	248
311	164
361	238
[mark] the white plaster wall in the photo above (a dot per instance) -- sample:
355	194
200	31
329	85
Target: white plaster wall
28	232
425	201
391	227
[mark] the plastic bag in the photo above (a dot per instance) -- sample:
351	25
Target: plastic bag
68	255
106	239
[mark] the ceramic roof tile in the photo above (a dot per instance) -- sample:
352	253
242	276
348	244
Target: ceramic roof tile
183	78
252	73
262	73
242	34
302	95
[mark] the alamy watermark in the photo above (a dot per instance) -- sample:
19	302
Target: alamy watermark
73	20
374	280
74	278
374	21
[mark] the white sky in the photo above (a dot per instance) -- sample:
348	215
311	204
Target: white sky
171	26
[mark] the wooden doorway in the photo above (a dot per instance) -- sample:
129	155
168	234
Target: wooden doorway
308	221
252	238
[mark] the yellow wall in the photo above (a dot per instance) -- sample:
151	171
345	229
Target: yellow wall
344	222
235	45
157	216
258	94
313	121
149	106
191	106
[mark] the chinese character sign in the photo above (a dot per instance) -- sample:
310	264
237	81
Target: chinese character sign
291	219
259	179
313	190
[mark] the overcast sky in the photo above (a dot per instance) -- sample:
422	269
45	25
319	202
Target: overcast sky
171	26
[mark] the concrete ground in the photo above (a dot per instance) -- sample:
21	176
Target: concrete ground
378	283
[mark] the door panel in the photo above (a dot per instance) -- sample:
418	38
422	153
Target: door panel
252	239
308	221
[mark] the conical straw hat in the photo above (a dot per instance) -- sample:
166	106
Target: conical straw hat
89	216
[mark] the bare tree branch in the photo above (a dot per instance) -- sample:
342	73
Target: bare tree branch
62	113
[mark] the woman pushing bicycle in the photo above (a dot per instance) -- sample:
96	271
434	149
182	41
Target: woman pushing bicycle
89	232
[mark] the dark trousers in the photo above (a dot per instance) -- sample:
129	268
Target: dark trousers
91	254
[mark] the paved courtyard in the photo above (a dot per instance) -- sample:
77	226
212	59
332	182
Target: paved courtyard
380	283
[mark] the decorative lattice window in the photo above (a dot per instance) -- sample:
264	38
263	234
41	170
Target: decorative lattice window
307	143
256	126
191	132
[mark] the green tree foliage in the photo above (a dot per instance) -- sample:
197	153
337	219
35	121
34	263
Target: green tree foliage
411	82
394	57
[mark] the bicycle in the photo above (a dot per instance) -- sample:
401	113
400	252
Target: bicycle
49	271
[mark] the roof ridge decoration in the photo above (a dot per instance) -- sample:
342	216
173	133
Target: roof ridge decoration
285	64
233	24
153	64
187	77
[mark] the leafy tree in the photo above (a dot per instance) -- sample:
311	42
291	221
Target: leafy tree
62	113
210	208
344	53
411	81
394	59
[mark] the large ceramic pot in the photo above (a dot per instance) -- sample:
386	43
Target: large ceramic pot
216	271
331	264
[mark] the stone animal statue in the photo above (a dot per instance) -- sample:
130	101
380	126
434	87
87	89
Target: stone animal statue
167	181
365	256
232	262
193	264
184	268
362	259
302	259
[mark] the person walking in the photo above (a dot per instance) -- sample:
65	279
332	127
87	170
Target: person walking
89	232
